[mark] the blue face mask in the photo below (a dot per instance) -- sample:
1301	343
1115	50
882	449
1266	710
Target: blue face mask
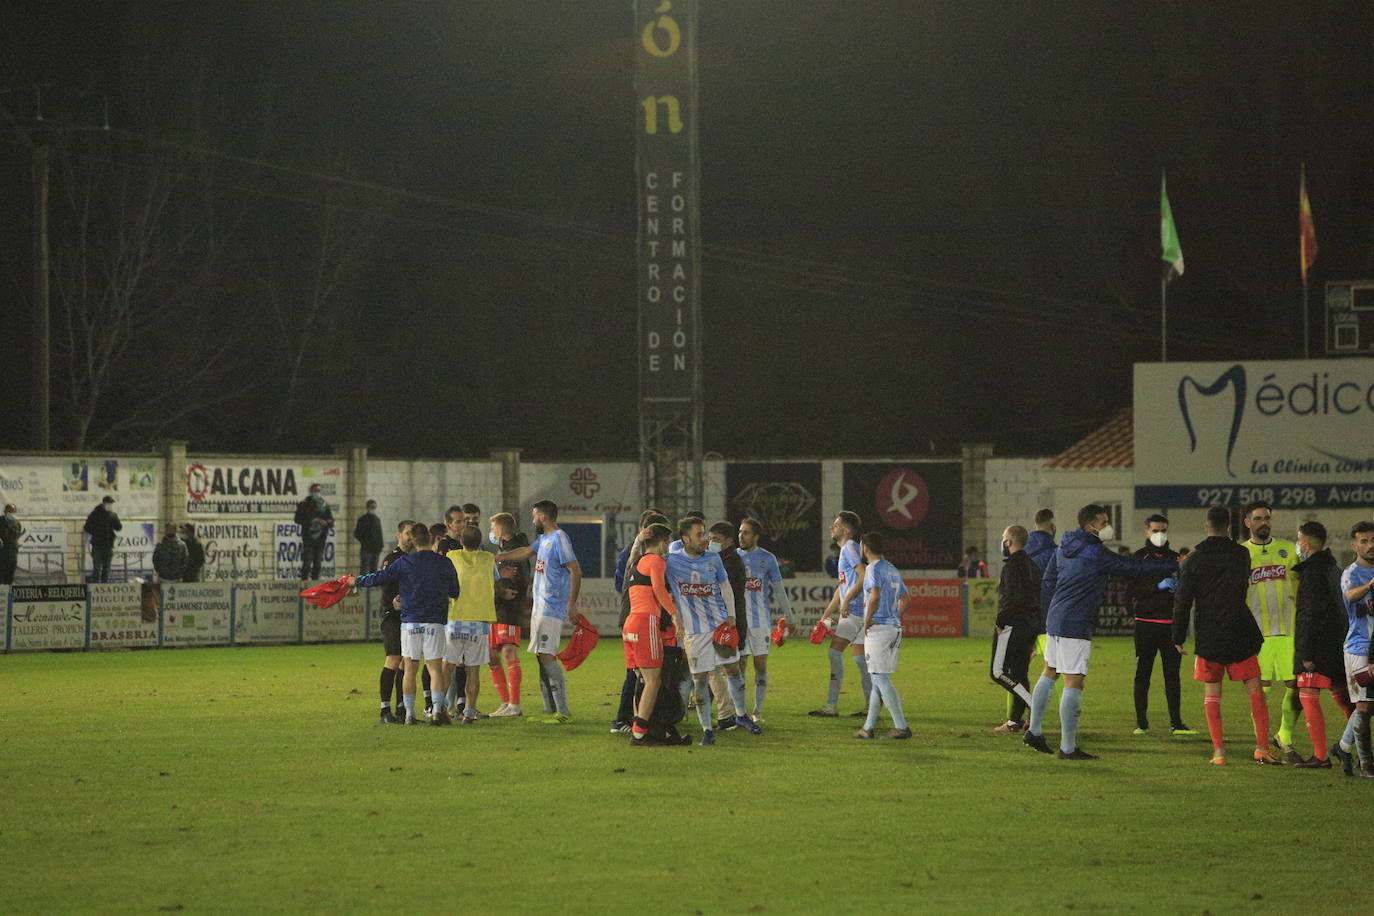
495	541
713	546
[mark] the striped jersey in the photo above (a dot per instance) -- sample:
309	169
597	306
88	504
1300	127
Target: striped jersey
1360	613
696	584
760	572
850	560
883	577
1273	585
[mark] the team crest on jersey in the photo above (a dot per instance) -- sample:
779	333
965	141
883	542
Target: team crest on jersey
1283	553
697	590
1267	574
753	584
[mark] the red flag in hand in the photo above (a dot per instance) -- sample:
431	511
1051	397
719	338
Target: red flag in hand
328	594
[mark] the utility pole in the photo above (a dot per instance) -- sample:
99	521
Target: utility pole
36	133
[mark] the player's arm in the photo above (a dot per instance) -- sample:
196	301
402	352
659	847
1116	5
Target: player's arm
859	572
389	573
515	555
780	593
658	578
1183	606
1359	593
871	605
574	569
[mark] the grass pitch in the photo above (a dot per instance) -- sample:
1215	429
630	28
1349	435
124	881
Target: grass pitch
256	779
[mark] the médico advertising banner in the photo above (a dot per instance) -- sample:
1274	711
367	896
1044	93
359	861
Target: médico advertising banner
1298	434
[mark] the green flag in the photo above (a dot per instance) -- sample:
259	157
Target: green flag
1168	235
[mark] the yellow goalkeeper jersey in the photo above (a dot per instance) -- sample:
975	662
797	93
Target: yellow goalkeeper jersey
1273	585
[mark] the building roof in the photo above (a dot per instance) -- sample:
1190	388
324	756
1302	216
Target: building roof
1111	445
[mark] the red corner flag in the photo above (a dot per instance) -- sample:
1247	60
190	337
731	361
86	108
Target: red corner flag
1307	231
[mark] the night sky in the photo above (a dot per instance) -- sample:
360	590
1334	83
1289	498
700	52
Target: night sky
923	223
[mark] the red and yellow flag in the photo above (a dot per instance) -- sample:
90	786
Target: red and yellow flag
1307	231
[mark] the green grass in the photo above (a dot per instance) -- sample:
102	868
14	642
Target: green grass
256	779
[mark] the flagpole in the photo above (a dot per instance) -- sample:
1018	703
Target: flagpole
1164	318
1306	337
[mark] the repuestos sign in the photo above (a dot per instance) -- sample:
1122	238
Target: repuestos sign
1298	433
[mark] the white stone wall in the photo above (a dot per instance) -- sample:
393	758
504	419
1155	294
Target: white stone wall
422	490
1015	492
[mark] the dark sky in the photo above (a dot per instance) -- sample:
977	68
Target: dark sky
923	223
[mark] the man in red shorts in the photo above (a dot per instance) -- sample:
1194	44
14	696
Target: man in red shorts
505	669
1216	579
649	598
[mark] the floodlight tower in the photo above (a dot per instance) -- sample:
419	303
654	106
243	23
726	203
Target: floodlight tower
669	261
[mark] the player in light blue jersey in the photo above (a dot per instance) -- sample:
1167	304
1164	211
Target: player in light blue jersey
762	584
885	598
1357	583
701	590
848	604
557	583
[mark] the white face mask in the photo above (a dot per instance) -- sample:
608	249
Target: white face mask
1107	534
713	546
495	541
1159	538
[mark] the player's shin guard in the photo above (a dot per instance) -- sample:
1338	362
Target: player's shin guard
1292	705
1212	707
760	691
836	676
1070	707
1040	701
883	687
1259	712
736	685
498	680
387	679
861	662
703	686
1311	699
514	676
558	685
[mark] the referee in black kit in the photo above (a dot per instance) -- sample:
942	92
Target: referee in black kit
1019	621
1153	600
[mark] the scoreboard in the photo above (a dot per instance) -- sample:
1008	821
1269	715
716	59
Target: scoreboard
1350	318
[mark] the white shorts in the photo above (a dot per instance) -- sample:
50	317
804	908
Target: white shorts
546	633
469	643
852	629
1353	665
881	649
759	639
702	655
1068	655
420	641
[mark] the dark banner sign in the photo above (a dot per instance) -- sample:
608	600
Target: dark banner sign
786	499
666	169
918	507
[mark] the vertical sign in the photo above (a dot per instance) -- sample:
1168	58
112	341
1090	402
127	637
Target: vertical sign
666	169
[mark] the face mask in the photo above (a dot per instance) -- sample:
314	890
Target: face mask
713	546
494	540
1106	534
316	498
538	527
1302	555
1159	538
1006	549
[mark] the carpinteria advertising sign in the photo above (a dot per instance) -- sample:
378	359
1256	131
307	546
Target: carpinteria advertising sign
1297	433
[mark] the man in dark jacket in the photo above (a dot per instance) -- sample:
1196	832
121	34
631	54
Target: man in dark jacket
195	554
10	533
1071	592
316	520
169	557
1153	601
368	533
101	525
1018	623
1216	579
722	540
1319	638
